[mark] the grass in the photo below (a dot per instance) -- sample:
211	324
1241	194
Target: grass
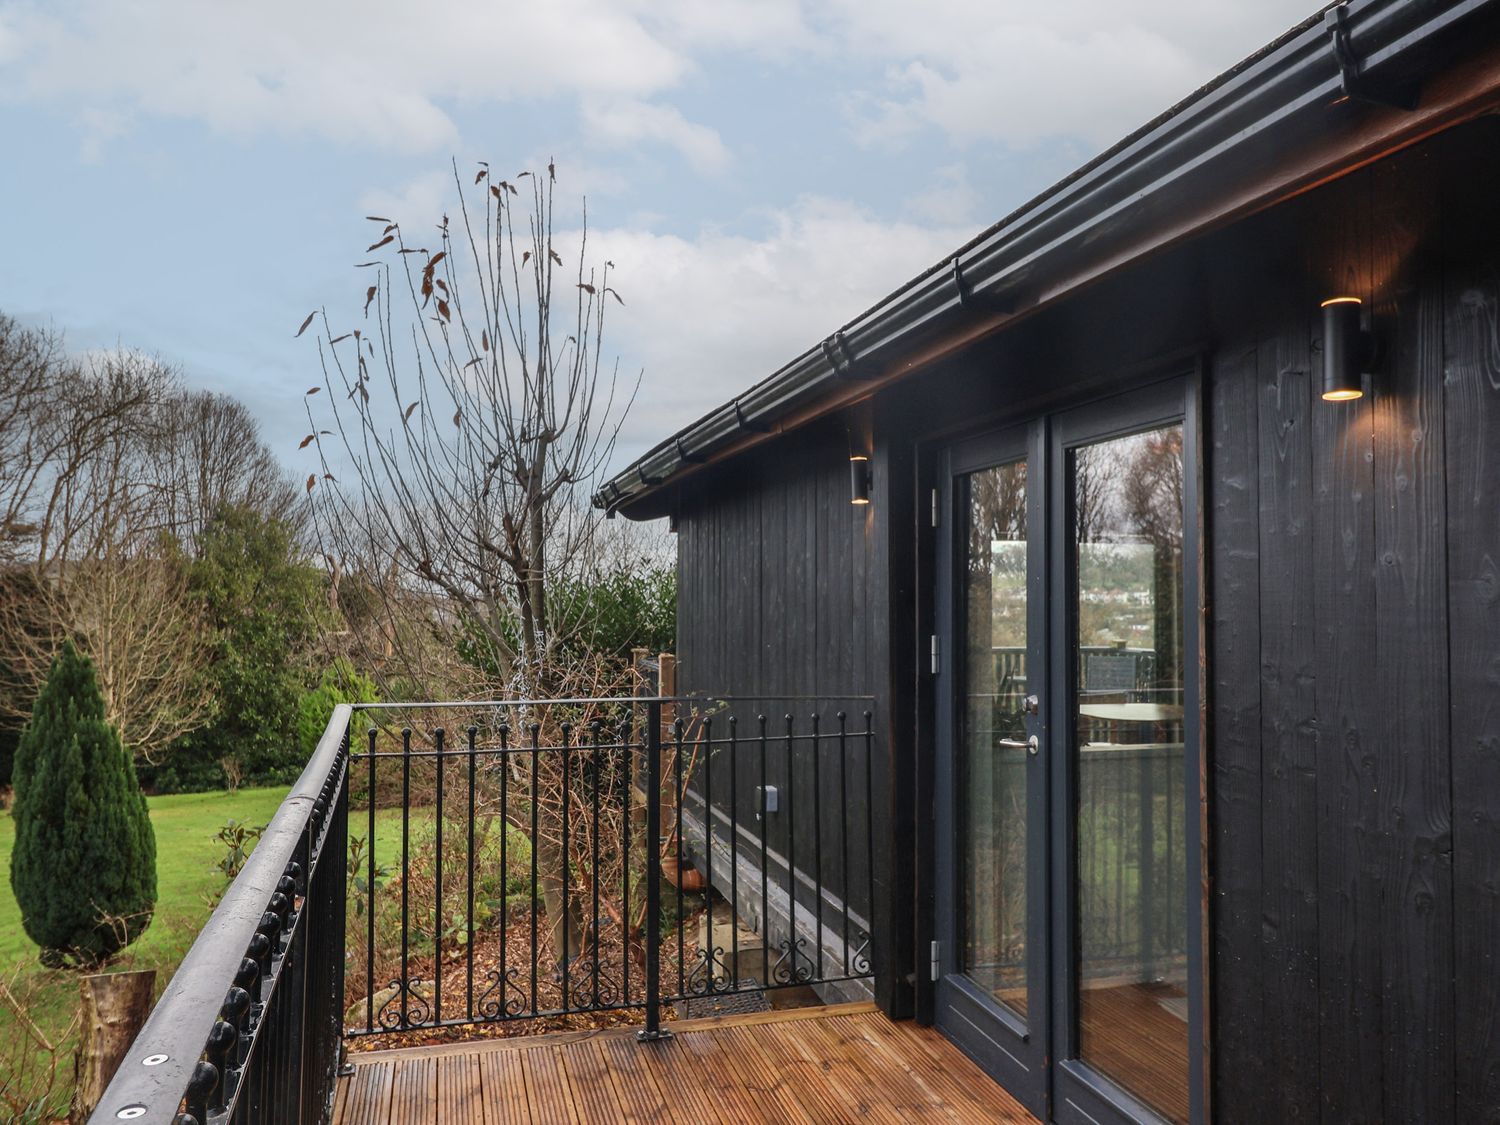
186	871
187	855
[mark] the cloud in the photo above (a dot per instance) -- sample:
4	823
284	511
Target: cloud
1018	72
625	123
383	73
707	316
950	201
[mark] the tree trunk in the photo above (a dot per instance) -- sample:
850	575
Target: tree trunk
115	1007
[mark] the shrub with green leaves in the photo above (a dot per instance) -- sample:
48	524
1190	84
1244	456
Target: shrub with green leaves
341	683
84	864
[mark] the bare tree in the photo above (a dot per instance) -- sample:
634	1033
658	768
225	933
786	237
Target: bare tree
462	428
108	472
206	454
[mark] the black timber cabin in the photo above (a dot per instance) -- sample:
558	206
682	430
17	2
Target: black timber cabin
1161	525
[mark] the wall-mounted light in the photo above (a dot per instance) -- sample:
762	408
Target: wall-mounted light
1348	350
859	479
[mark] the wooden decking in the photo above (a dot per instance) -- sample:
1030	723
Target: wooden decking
840	1064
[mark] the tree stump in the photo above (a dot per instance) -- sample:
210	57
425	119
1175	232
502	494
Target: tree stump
115	1007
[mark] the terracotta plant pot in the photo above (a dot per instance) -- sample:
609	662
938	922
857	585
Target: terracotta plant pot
686	878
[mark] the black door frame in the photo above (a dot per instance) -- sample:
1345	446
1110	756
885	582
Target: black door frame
1074	1091
1012	1049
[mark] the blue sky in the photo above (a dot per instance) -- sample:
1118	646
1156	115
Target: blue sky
189	178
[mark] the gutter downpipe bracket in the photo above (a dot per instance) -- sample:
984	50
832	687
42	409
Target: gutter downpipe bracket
1355	83
840	356
970	301
745	423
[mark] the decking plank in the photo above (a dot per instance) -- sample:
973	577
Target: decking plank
460	1091
507	1098
823	1066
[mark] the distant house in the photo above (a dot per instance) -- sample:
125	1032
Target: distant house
1247	868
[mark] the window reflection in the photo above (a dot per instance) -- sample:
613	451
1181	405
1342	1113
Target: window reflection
992	798
1127	520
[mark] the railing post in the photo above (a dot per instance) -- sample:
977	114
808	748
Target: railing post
653	1029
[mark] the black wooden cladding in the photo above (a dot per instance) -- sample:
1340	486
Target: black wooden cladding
1353	620
772	603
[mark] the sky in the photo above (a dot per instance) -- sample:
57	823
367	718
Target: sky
189	178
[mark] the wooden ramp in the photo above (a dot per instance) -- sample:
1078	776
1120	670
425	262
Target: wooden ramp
812	1066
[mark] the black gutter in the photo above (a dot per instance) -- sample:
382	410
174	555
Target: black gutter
1305	71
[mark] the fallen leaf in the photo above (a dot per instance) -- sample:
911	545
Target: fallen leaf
306	322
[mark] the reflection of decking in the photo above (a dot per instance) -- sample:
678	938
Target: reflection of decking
845	1063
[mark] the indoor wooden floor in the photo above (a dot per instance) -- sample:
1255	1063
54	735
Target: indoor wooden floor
839	1064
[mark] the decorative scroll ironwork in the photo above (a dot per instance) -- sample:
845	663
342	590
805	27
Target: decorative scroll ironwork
504	998
793	966
406	1007
860	961
709	974
594	983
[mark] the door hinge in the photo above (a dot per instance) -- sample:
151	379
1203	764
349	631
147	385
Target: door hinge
937	961
937	508
937	655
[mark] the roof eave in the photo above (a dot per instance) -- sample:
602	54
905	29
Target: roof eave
1201	164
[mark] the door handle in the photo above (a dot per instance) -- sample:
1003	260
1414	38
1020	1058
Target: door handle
1032	745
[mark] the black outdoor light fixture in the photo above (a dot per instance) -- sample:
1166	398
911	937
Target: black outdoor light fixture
859	478
1348	349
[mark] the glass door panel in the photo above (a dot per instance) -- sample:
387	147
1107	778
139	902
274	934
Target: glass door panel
1130	856
992	790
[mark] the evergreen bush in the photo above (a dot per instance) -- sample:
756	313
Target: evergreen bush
84	864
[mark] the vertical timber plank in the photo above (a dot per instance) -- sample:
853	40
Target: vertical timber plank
1344	581
1416	923
1234	669
1289	902
1471	414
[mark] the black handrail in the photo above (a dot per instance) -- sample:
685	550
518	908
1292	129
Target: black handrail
252	1014
252	1026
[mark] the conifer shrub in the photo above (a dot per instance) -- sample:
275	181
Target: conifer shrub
83	868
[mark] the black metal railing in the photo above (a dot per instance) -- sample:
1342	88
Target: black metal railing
249	1029
524	861
513	863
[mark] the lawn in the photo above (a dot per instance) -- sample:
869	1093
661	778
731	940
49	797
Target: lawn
187	855
186	871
